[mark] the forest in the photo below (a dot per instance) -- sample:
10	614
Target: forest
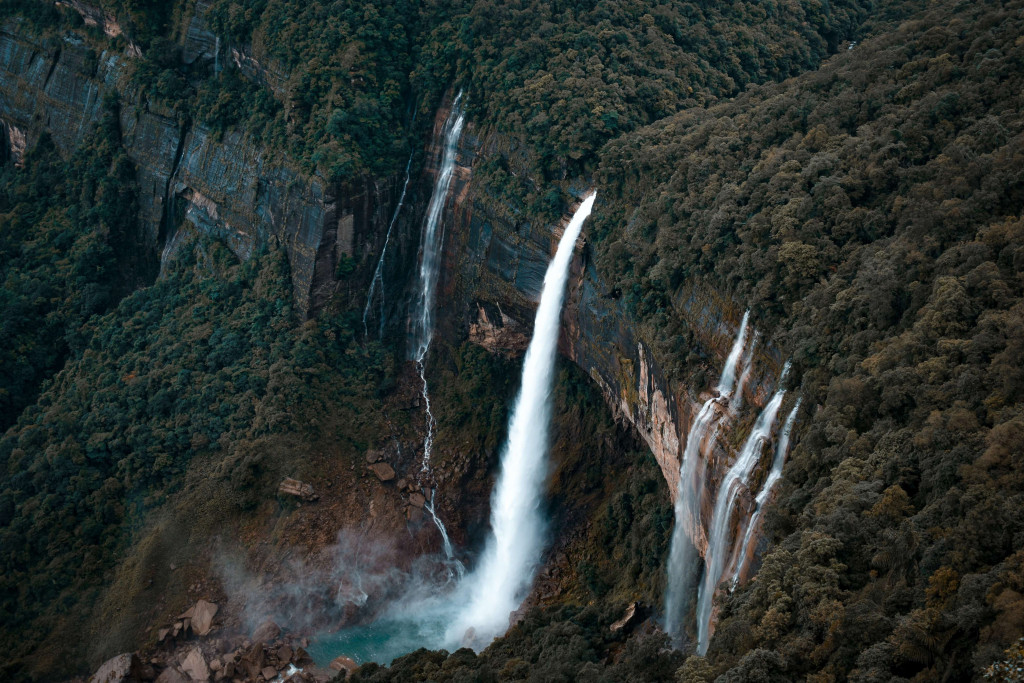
852	172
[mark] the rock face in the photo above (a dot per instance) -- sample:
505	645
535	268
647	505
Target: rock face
230	188
494	268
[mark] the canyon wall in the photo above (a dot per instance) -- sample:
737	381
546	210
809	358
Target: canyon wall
494	261
494	270
230	188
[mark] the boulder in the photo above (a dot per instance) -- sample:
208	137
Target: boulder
626	618
251	663
172	675
343	664
266	632
269	673
384	471
319	675
119	669
298	489
195	665
417	500
202	617
373	456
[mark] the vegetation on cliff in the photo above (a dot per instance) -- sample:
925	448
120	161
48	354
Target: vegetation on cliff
66	253
869	212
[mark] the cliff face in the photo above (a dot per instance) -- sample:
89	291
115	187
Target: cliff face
494	264
494	270
230	188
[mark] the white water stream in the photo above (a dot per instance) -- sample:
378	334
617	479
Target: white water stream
378	274
682	554
719	541
781	449
512	553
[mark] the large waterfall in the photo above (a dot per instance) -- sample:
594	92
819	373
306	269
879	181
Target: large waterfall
378	273
506	570
682	554
719	541
743	551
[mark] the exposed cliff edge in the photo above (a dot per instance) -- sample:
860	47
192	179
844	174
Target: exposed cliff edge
233	189
230	188
494	269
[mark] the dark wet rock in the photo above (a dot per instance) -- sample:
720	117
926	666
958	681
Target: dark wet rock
265	633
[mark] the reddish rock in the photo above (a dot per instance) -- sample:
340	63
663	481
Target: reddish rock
203	613
384	471
195	665
172	675
343	664
266	632
417	500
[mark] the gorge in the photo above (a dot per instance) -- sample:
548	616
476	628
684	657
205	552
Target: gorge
213	235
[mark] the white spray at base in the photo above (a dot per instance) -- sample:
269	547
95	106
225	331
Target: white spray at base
681	575
781	449
503	578
719	542
378	274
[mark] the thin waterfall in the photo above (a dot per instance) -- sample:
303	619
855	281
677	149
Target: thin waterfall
781	449
715	559
456	570
378	274
431	243
682	553
748	367
512	553
432	237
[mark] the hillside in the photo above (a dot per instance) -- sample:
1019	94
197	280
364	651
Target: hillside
194	196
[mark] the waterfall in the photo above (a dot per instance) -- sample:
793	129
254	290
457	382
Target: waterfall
378	274
431	243
781	449
748	367
432	237
718	532
681	551
506	570
453	562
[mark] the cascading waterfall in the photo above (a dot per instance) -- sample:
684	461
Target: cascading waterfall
431	242
781	449
748	368
719	543
510	558
681	551
378	274
456	570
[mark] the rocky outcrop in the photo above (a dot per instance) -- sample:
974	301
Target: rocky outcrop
230	188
